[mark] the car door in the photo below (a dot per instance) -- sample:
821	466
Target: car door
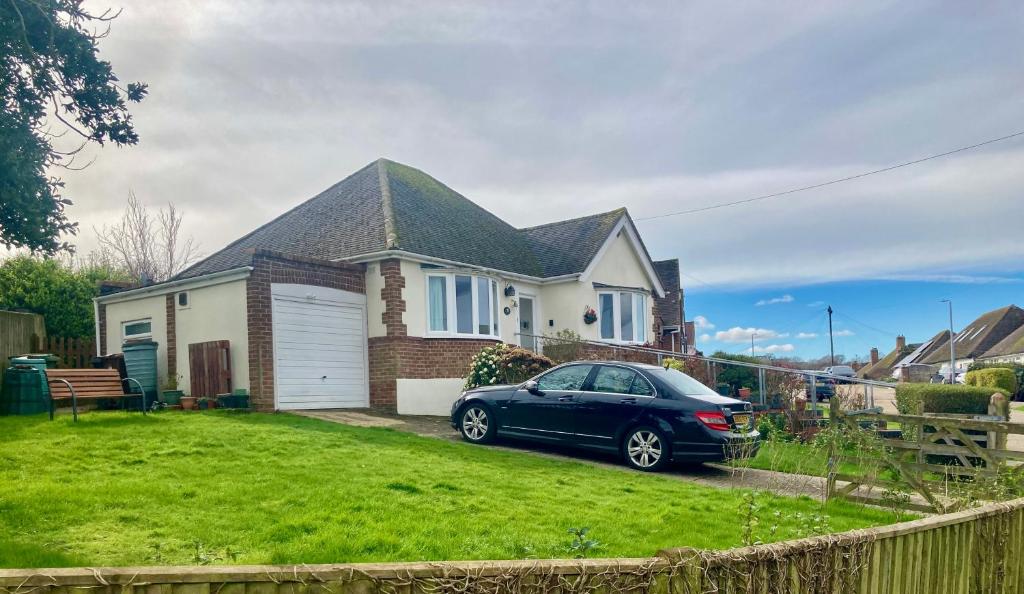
548	413
612	399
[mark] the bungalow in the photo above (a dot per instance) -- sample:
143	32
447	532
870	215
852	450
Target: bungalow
379	290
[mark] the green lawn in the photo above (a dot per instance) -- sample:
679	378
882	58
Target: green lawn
789	456
123	489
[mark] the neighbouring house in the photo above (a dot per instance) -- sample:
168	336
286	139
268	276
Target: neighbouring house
379	290
997	335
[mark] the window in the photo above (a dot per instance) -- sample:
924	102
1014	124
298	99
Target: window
137	329
470	301
615	380
182	300
682	383
564	378
623	316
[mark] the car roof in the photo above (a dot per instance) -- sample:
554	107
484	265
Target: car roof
621	363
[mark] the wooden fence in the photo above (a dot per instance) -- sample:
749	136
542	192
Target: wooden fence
975	551
19	334
72	353
936	456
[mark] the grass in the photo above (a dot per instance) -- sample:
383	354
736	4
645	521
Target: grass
179	488
789	456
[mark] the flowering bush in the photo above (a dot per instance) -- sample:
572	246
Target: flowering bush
504	364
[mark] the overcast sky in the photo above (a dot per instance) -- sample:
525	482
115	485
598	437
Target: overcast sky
546	111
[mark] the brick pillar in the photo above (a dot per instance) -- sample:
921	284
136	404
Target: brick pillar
391	294
172	340
103	328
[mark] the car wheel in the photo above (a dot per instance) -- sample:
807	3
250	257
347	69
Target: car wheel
645	448
477	424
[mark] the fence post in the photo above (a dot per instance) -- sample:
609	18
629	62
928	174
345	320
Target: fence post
833	422
999	406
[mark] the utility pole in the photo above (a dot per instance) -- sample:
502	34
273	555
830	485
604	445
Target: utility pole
752	335
952	347
831	343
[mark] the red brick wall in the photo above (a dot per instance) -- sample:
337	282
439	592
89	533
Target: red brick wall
102	313
411	357
268	268
614	353
391	295
172	337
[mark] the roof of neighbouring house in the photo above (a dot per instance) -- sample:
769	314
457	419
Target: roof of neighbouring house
390	206
669	306
1013	344
980	335
884	367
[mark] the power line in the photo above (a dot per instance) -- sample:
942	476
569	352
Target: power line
829	183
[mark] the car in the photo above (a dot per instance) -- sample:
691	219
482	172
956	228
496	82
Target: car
841	371
648	415
824	387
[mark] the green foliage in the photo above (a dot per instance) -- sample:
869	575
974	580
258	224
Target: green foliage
580	545
563	346
773	426
504	364
943	398
51	64
994	377
1017	368
184	477
45	286
737	377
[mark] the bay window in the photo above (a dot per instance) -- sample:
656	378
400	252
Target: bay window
623	316
462	305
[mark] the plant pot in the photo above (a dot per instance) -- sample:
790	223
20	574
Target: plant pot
171	396
233	401
188	402
744	393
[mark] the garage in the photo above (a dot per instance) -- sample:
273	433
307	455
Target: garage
320	356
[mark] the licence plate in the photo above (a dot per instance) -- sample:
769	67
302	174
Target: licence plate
741	420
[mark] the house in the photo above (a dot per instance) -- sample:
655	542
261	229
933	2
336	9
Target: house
379	290
1007	350
976	339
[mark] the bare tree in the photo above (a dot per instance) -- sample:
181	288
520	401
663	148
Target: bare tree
147	248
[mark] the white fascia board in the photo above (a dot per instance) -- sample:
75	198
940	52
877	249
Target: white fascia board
384	255
216	278
634	239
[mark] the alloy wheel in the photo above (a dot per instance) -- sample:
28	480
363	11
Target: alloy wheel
644	448
475	423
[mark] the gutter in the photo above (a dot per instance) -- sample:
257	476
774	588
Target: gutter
363	258
169	286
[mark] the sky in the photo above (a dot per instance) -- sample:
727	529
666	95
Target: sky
545	111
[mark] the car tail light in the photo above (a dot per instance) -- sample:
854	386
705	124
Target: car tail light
715	421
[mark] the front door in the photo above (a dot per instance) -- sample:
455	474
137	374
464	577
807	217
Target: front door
550	412
527	327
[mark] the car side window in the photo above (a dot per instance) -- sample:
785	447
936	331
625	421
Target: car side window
641	387
566	378
614	380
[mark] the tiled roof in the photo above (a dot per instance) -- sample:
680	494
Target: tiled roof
884	367
387	205
980	335
669	306
1013	344
567	247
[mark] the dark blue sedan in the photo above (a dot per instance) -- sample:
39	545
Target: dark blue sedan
647	414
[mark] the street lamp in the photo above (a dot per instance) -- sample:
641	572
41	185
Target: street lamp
952	347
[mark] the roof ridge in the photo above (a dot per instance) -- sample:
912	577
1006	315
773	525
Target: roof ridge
271	221
621	209
390	237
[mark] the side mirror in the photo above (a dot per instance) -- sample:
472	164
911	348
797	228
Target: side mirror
531	387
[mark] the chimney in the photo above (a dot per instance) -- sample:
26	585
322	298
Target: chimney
901	343
874	355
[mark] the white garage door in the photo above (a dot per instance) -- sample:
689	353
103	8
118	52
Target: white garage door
319	347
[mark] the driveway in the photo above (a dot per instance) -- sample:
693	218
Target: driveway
713	475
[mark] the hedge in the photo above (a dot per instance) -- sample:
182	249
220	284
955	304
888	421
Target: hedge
995	377
1017	369
914	399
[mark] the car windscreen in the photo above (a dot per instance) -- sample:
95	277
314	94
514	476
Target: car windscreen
682	383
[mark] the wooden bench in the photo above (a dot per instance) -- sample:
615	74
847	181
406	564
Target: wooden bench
88	384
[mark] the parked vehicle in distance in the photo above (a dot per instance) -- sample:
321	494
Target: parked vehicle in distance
647	414
841	371
825	387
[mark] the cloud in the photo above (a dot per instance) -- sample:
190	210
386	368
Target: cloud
738	334
775	348
817	304
956	279
702	323
843	333
705	337
783	299
806	334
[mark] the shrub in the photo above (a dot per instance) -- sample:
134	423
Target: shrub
914	399
563	346
1017	368
994	377
504	364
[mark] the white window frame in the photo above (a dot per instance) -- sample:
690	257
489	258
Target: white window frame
453	322
126	323
617	317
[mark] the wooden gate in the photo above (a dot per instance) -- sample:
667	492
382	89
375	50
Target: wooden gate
933	453
209	366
